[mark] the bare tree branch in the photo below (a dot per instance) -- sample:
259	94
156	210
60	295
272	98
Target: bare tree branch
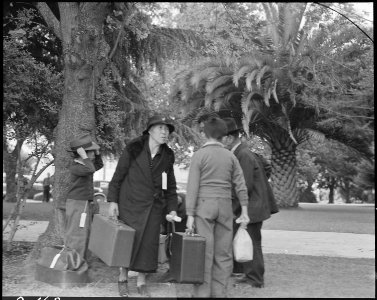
126	21
49	17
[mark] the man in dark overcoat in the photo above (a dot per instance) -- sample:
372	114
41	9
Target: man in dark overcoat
261	203
142	188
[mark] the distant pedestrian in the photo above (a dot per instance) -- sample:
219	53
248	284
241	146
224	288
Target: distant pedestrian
213	172
87	160
261	202
46	188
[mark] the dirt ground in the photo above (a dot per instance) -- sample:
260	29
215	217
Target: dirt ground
288	276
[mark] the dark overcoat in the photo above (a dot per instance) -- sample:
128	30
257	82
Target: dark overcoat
261	198
137	188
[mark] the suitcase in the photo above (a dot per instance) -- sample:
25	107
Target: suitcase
112	241
187	257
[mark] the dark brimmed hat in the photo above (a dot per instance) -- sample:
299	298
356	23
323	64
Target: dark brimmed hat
215	128
232	125
158	119
84	141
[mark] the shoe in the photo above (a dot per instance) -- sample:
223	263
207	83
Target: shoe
243	279
167	277
142	290
247	280
123	288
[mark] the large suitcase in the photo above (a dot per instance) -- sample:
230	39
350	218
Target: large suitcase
112	241
187	257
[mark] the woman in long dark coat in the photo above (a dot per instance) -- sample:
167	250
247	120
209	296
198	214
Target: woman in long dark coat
142	187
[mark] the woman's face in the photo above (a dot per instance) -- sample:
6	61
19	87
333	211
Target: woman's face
159	133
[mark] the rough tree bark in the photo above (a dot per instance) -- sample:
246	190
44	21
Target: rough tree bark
347	190
331	186
284	171
10	169
81	32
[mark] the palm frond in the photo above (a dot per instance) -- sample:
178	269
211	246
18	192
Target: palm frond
299	15
208	100
316	136
273	91
199	78
250	78
226	89
241	72
284	110
272	21
246	121
218	82
261	73
288	22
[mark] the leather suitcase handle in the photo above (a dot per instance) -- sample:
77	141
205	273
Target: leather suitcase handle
116	220
191	234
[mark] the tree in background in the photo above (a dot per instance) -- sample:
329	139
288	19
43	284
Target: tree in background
115	39
307	174
284	89
339	168
32	95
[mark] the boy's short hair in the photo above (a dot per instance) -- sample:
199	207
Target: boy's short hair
215	128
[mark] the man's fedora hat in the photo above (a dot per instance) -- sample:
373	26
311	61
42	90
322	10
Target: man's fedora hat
231	125
84	141
157	119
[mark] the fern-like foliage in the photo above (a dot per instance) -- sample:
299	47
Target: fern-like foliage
276	89
135	45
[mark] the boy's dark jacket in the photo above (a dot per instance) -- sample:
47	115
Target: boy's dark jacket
261	199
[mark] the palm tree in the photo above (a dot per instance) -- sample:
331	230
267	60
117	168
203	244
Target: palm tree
267	91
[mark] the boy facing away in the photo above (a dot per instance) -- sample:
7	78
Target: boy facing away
213	171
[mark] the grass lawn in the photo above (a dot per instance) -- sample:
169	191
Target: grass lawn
32	211
325	218
307	217
286	276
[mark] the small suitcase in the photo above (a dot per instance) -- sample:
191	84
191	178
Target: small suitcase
112	241
187	257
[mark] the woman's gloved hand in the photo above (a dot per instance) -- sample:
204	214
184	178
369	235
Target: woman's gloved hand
113	210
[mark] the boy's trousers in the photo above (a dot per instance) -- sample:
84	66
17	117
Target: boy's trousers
214	221
77	237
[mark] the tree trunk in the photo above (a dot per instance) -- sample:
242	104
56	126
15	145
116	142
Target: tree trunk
10	169
310	183
81	32
346	191
284	172
331	186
